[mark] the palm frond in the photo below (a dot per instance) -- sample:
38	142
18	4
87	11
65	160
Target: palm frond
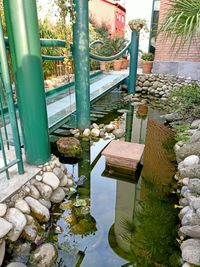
182	21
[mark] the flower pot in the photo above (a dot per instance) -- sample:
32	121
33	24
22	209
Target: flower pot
125	63
117	64
102	65
147	67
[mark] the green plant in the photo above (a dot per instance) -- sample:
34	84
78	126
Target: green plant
147	57
185	100
182	21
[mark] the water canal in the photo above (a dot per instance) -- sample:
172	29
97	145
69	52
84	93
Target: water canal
120	219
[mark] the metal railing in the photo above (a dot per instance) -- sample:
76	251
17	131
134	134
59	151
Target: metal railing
6	97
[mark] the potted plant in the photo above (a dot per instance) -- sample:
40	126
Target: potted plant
116	45
147	62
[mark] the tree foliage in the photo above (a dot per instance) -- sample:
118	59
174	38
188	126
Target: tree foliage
182	21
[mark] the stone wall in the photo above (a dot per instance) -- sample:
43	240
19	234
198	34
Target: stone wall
22	215
160	85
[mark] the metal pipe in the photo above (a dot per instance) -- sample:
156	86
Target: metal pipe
133	62
9	96
103	58
81	59
24	43
44	42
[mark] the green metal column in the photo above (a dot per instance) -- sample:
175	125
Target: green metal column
24	43
11	108
81	61
133	62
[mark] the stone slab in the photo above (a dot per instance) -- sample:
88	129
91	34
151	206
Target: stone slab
123	154
16	181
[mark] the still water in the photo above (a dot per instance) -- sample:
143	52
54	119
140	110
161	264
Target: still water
117	219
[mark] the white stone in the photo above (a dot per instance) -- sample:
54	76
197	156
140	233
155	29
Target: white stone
185	181
44	189
63	181
58	195
29	219
34	192
5	227
70	183
38	178
69	176
118	133
186	264
190	160
40	212
16	264
95	126
95	132
22	206
18	219
45	203
2	251
51	179
191	251
86	132
195	124
109	128
58	172
43	256
3	209
30	231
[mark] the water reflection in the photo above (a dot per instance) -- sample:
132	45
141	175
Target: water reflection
123	222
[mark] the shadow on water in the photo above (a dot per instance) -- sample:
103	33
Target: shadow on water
116	221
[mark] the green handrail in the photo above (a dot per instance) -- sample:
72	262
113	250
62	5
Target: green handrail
110	58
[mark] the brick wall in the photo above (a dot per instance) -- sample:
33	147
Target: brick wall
164	50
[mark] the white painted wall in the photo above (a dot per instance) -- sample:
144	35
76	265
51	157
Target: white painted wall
139	9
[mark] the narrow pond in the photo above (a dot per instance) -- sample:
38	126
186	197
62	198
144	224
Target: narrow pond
118	219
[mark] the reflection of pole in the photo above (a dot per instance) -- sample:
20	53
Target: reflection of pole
81	60
84	169
133	62
129	123
24	43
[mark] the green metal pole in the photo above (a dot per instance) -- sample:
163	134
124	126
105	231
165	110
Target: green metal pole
11	108
133	62
81	62
23	34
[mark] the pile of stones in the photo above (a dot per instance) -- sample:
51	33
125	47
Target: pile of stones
160	85
22	215
188	176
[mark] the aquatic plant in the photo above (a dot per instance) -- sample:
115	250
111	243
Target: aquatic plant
153	240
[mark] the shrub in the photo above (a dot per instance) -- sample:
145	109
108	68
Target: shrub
147	57
185	100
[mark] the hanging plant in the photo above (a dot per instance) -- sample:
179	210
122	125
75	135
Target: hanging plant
137	24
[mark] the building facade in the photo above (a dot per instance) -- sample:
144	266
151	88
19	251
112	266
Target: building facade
110	14
184	61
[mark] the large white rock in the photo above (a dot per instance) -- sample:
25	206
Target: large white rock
191	251
58	172
2	251
5	227
51	179
44	256
86	132
118	133
63	181
44	189
3	209
16	264
58	195
191	230
95	132
18	219
45	203
34	192
195	124
186	264
40	212
30	231
190	160
22	206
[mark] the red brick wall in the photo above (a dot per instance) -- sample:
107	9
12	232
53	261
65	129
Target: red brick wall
164	50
